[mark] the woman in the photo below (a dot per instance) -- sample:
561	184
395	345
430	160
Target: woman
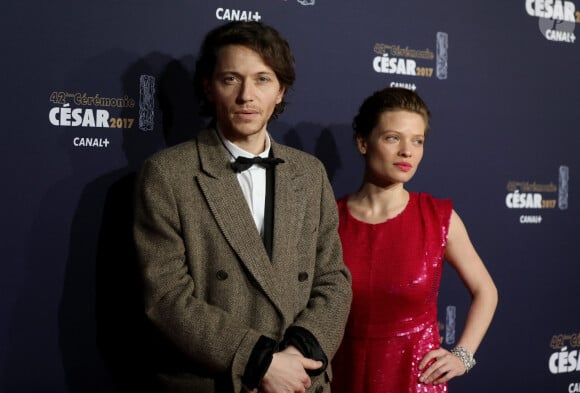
394	244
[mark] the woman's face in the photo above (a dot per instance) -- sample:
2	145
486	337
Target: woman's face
394	148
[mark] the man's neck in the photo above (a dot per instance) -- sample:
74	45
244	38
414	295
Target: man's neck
255	144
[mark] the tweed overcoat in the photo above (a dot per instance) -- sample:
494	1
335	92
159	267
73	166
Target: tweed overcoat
210	288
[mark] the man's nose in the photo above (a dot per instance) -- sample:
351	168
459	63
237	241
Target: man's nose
246	92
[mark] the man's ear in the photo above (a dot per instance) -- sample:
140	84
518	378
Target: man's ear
207	90
281	93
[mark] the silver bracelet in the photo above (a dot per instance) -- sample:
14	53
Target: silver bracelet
465	356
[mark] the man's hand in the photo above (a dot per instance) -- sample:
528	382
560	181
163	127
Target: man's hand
287	374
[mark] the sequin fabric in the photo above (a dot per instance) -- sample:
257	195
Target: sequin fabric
396	270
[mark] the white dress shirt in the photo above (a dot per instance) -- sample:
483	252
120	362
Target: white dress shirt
252	180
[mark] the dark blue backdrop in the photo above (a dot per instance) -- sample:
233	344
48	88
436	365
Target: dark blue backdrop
91	89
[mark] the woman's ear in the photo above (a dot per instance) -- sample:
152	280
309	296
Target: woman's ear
361	144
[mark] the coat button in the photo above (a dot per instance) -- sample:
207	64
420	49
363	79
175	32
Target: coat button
302	276
221	275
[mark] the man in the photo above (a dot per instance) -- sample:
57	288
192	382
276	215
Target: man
242	264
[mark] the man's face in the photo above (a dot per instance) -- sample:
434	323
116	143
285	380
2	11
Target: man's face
245	92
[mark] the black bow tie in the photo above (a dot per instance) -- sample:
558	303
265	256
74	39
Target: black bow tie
243	163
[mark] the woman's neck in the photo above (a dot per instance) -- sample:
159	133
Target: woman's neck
374	204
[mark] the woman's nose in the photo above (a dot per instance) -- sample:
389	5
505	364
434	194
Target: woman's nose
405	151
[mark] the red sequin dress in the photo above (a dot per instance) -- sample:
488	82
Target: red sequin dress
396	270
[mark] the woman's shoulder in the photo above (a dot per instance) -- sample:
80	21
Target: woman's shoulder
425	196
342	202
425	199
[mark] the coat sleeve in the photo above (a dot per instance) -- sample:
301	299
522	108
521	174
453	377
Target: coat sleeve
329	305
206	334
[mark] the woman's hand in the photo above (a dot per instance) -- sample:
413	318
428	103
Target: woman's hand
443	366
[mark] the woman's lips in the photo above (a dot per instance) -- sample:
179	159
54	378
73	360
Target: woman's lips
404	166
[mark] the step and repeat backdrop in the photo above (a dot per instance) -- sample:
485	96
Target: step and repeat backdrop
93	88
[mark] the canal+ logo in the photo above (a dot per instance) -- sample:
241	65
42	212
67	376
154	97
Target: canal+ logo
532	197
556	19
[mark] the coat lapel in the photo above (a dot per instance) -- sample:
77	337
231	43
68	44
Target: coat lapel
288	216
221	189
